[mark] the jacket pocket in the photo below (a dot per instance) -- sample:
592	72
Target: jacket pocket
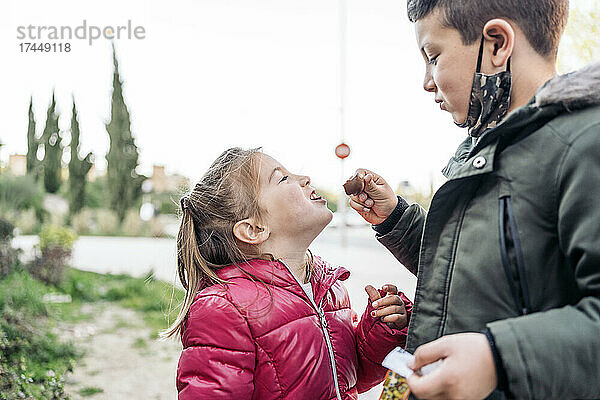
512	256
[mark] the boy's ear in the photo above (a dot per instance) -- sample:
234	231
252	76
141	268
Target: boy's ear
499	42
249	231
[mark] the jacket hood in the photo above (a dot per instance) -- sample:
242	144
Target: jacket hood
574	91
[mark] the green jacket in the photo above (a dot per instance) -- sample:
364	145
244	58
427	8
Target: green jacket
511	243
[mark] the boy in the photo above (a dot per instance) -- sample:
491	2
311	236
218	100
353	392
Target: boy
508	258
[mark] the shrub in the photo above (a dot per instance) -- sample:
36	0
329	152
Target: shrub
8	255
108	222
20	193
32	360
56	244
27	222
133	224
84	222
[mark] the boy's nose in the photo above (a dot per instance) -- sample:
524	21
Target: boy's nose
428	83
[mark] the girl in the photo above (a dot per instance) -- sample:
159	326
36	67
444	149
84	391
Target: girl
263	318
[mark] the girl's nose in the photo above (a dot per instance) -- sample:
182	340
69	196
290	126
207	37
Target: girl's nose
304	181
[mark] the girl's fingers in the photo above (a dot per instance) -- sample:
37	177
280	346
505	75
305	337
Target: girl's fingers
382	312
372	292
389	300
397	319
390	289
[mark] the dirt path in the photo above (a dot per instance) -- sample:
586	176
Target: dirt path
121	360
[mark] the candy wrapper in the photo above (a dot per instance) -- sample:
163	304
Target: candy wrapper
394	386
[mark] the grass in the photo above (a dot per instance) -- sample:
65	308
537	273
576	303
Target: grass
155	299
32	359
90	391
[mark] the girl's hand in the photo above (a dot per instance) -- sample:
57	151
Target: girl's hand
389	308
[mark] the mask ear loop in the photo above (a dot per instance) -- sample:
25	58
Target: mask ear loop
480	57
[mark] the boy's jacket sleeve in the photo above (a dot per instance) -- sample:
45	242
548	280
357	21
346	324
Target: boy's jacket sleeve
404	240
217	361
556	353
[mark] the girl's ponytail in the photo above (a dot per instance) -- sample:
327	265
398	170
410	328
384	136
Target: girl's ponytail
192	268
227	193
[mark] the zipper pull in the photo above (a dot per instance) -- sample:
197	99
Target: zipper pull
321	314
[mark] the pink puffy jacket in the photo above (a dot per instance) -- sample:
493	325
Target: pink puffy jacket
269	340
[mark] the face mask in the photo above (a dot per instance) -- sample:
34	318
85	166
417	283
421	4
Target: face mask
490	99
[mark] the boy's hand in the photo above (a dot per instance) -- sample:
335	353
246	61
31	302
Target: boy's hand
467	370
389	308
377	200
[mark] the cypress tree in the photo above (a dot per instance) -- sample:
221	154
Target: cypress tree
78	168
124	184
53	150
33	143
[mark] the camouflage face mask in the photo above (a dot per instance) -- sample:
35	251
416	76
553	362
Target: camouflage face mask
490	99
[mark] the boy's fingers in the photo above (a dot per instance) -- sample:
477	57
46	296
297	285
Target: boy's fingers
357	206
430	386
372	292
430	352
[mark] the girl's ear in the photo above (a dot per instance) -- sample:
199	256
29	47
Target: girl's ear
249	231
499	41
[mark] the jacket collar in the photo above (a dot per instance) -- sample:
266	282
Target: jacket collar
275	273
564	93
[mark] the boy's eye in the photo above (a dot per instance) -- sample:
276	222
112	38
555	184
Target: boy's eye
283	179
432	60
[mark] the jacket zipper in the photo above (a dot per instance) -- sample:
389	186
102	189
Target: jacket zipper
521	294
323	323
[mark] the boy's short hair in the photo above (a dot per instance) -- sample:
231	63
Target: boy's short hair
542	21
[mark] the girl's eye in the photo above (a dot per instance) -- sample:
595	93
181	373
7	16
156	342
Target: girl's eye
432	60
283	179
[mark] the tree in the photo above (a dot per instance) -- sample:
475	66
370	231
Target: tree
53	150
78	168
33	144
124	184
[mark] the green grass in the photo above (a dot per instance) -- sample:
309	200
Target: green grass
32	359
156	300
90	391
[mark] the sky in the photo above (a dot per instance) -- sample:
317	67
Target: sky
212	74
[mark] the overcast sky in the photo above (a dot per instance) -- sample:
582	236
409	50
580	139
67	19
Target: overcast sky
211	74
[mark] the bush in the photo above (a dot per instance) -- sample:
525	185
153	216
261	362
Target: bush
56	244
84	222
21	193
8	255
27	222
133	224
108	222
32	360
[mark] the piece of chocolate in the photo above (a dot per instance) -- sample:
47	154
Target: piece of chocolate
354	185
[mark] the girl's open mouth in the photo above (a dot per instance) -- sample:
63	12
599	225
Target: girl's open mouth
315	196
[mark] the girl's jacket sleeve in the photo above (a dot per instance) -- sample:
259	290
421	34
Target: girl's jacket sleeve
218	357
375	339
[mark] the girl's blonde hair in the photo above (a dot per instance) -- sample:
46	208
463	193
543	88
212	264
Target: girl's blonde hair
226	194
